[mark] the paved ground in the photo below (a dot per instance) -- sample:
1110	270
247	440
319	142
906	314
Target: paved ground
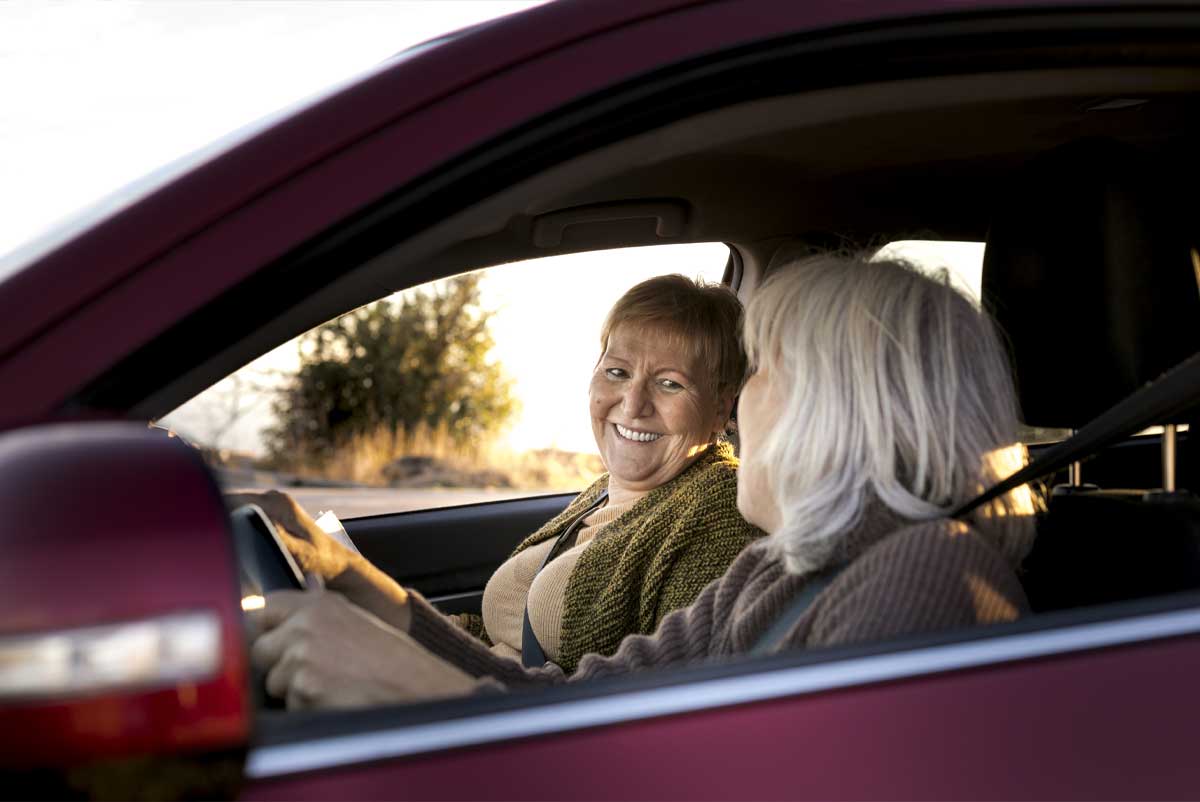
357	502
351	501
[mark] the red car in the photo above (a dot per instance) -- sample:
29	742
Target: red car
577	127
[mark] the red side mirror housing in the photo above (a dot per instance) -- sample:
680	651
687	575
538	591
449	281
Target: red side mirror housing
121	634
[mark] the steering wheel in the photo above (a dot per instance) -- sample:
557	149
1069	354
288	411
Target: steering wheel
265	565
264	562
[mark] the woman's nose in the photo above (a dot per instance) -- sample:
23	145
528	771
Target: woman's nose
636	403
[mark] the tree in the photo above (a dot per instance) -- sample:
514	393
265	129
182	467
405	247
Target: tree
419	361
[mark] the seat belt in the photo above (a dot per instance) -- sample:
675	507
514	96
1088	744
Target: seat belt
775	635
532	654
1164	398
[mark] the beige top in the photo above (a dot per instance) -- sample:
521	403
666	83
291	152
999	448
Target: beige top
518	581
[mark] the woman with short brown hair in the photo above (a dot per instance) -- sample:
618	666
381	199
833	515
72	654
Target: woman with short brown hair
648	535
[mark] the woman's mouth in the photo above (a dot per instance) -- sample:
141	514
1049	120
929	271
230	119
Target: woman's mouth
636	436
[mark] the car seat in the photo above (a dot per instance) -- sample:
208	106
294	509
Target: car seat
1090	277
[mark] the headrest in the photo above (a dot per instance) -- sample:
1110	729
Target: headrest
1089	274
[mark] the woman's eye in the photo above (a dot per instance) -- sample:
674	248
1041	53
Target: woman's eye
673	386
615	373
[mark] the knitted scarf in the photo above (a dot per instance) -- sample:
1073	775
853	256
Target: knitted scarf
654	558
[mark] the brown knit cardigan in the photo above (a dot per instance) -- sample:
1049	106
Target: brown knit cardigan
901	579
654	558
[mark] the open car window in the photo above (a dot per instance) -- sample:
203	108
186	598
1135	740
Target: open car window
466	389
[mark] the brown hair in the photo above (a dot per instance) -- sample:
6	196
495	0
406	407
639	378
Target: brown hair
705	320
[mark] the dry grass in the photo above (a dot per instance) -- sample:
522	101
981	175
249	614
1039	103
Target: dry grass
428	457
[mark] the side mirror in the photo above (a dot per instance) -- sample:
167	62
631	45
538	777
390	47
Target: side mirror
123	665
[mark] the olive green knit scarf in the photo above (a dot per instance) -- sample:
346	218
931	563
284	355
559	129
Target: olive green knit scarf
654	558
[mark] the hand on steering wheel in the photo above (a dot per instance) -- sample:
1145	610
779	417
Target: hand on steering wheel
342	570
315	551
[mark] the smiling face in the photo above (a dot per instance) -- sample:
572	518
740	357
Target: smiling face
654	409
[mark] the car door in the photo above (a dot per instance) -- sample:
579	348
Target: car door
448	554
1095	708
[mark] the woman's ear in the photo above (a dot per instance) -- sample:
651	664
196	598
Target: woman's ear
725	406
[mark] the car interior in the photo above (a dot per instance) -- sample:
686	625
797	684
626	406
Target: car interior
1071	156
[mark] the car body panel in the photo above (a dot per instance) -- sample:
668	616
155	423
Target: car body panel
1111	723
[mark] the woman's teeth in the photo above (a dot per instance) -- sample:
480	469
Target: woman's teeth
639	437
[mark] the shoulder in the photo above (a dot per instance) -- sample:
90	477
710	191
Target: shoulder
702	505
943	554
705	505
718	464
927	576
711	483
757	565
935	551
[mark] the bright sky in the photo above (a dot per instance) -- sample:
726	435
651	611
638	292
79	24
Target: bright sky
96	95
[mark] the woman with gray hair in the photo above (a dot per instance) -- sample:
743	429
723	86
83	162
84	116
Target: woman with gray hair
880	401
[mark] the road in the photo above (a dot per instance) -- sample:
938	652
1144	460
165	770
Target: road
355	502
349	501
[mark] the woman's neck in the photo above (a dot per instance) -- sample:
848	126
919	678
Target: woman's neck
618	495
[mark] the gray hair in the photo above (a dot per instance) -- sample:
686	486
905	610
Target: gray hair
896	389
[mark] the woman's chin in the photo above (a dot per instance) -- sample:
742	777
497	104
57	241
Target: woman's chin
633	477
638	475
